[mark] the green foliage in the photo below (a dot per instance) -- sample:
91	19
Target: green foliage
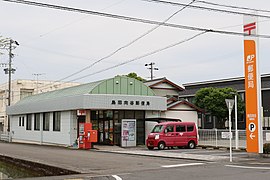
135	76
266	148
213	100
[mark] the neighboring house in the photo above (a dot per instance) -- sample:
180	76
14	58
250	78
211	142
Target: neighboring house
22	89
238	84
183	110
165	88
176	109
53	117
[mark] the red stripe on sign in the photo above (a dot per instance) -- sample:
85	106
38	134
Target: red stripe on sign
251	24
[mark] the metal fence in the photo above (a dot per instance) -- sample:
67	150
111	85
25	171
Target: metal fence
213	137
5	136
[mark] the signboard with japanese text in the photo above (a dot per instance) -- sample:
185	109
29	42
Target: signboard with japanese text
128	133
252	87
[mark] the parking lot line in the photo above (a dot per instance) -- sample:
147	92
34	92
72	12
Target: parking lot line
182	165
248	167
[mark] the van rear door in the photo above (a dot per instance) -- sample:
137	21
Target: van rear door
180	135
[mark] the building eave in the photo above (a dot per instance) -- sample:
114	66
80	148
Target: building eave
89	101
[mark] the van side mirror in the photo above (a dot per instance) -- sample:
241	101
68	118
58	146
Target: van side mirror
166	131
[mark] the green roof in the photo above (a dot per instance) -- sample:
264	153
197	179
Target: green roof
117	85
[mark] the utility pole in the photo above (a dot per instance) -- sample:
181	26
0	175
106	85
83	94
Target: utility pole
151	69
37	75
10	69
9	72
8	45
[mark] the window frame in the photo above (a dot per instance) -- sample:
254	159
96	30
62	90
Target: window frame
181	126
57	121
20	121
29	122
189	126
46	122
167	127
37	121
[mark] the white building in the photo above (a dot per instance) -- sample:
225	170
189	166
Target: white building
53	117
22	89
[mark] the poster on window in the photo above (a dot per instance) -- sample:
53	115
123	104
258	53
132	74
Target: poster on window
131	133
128	134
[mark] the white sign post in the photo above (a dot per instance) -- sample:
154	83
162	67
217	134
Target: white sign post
229	103
236	129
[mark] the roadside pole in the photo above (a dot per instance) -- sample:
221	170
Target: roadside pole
229	103
236	128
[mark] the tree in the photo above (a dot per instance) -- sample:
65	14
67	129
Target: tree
213	100
135	76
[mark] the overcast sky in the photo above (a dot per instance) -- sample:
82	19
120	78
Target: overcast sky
58	43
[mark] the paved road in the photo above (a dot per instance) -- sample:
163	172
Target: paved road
117	163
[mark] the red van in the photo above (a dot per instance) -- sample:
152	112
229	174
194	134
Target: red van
169	134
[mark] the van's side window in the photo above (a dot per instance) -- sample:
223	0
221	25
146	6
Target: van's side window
180	128
190	128
169	128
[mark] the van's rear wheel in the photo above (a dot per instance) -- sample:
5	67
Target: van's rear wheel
161	145
191	145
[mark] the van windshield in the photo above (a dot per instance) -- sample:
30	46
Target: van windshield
157	129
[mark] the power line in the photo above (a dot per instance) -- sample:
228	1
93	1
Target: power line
128	44
132	19
234	7
207	8
72	22
137	19
128	19
142	56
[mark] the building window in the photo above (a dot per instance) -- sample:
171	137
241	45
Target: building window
29	122
46	121
20	121
56	121
23	121
208	118
37	122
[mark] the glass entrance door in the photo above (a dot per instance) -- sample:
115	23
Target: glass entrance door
108	132
105	127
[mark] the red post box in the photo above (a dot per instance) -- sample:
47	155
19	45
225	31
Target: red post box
86	136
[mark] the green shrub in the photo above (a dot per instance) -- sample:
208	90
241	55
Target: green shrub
266	148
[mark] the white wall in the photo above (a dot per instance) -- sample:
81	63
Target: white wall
65	136
152	114
149	125
183	112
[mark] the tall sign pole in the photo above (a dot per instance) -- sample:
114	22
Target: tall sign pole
229	103
252	87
